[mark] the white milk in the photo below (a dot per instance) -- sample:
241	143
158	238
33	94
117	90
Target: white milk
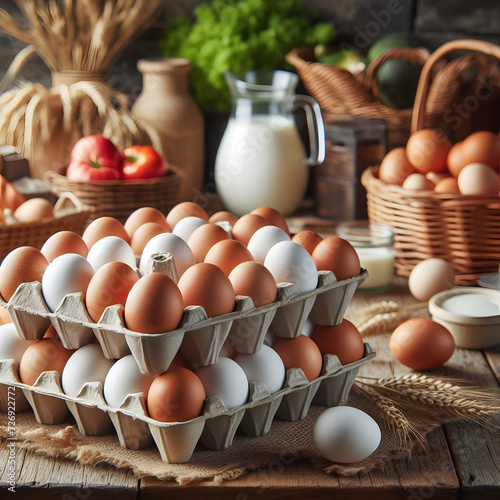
261	162
379	261
470	304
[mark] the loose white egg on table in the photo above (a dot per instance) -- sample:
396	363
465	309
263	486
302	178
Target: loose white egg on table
11	345
186	226
344	434
111	249
168	243
86	364
263	239
225	379
264	366
429	277
291	263
125	378
68	273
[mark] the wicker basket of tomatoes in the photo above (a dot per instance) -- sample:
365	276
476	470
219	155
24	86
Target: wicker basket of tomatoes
440	196
115	183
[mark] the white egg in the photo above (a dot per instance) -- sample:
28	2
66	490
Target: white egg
308	328
125	378
291	263
68	273
225	379
11	345
263	239
171	243
264	366
111	249
86	364
186	226
344	434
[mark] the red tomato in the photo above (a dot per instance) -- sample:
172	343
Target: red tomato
94	157
142	162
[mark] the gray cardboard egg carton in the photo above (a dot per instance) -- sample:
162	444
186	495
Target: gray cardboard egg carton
198	337
176	442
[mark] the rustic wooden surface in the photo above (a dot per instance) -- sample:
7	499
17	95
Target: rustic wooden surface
463	459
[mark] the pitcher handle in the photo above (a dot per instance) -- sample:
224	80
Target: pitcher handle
315	127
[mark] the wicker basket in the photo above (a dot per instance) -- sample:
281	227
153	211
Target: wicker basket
120	198
464	230
342	94
69	215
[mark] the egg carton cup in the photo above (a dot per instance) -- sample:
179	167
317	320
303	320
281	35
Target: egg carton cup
198	337
176	442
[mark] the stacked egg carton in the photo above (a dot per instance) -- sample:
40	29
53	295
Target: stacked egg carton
200	339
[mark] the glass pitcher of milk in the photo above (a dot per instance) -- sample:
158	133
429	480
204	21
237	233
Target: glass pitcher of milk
261	160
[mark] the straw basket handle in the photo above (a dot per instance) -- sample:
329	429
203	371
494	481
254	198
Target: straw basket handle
424	81
414	55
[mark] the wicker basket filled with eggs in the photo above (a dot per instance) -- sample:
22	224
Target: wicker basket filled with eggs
180	330
442	198
30	221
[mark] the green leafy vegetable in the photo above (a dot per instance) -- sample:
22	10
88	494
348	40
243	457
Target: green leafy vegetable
240	35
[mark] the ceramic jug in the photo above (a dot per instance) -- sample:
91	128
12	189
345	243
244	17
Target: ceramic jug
261	160
166	104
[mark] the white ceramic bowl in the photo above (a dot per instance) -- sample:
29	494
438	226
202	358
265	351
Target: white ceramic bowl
472	315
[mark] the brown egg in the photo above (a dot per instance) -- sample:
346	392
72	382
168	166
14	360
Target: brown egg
44	355
418	182
307	239
273	217
143	234
395	167
4	316
64	242
154	305
142	216
300	352
185	209
180	361
21	265
207	286
176	396
430	276
254	280
34	209
10	197
203	238
110	285
246	225
455	160
479	179
104	226
447	185
427	150
422	344
481	147
227	254
223	216
343	340
337	255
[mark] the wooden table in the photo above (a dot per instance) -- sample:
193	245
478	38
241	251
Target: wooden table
463	461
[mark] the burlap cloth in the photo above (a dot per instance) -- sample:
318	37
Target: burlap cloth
286	442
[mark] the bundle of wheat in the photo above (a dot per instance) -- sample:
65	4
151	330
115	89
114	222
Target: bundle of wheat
78	40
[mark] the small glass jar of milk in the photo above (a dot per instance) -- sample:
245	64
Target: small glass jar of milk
374	244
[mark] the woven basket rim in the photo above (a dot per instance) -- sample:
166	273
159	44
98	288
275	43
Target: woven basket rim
369	179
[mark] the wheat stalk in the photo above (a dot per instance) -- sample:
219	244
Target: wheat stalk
84	35
444	397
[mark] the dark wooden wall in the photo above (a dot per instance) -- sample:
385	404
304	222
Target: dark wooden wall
356	21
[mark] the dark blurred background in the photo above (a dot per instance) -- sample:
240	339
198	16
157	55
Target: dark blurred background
356	21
